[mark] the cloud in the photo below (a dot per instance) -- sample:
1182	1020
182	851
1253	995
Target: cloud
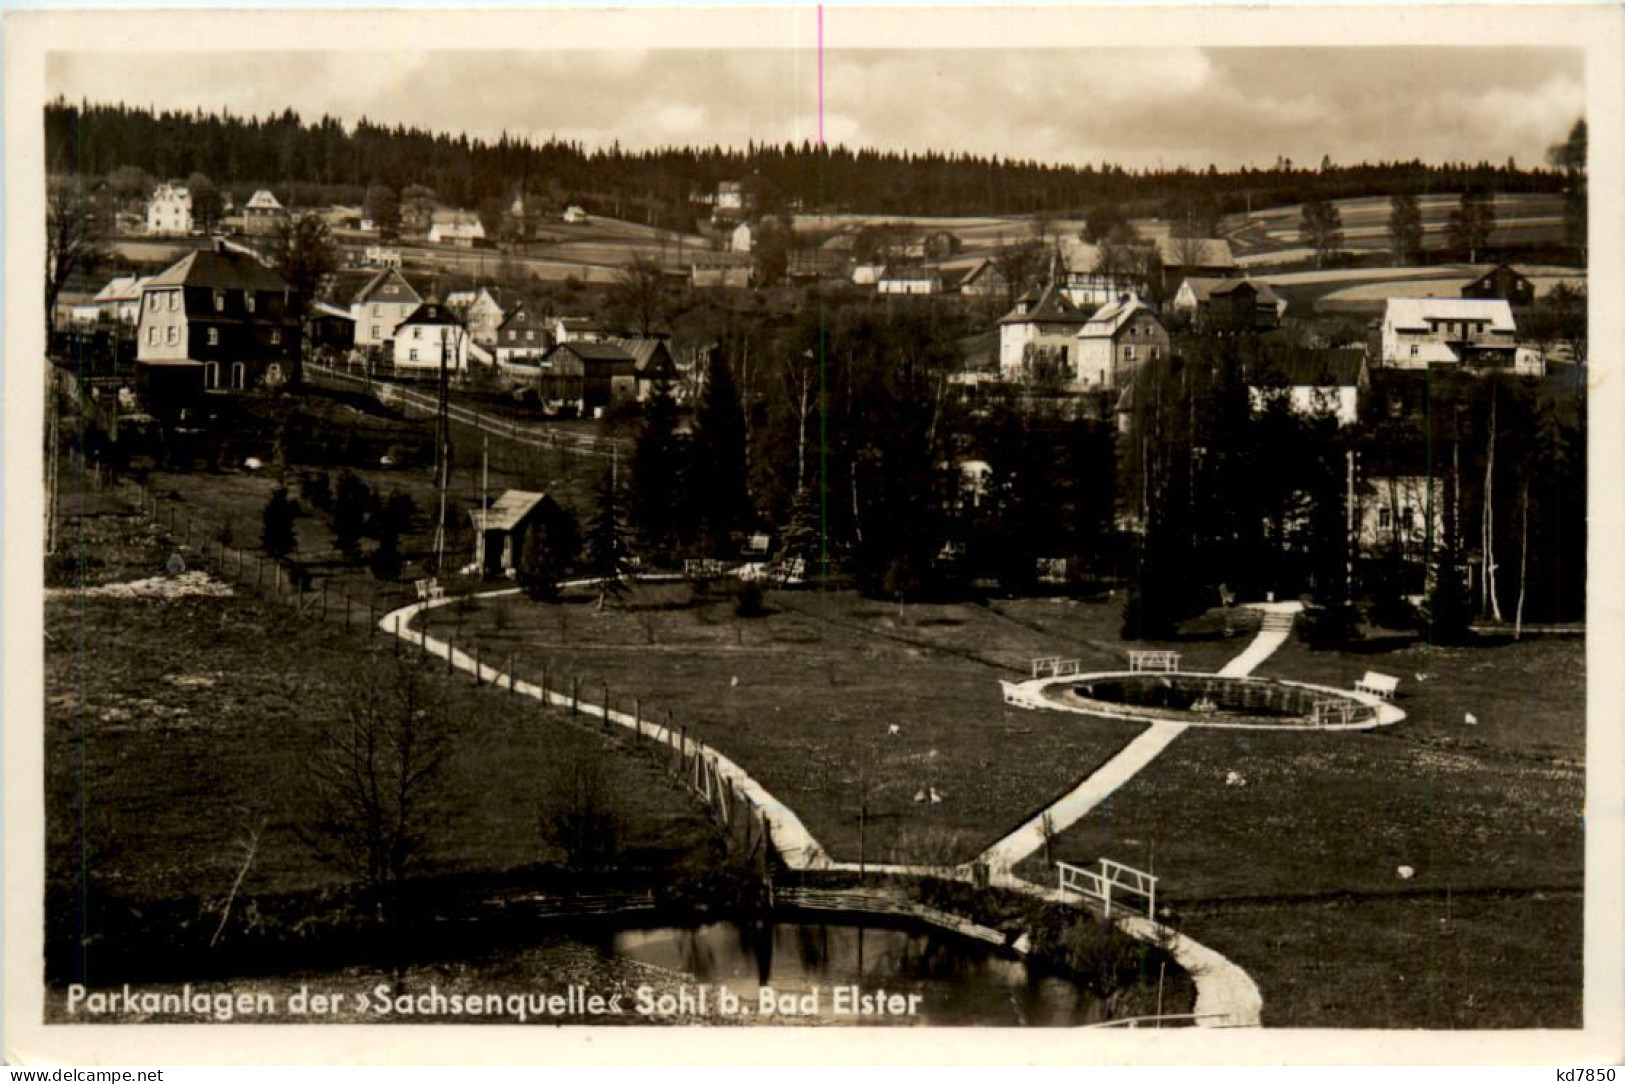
1132	106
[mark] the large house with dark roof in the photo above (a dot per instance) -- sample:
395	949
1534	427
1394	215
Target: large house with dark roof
217	320
1502	282
652	364
522	341
1039	333
380	306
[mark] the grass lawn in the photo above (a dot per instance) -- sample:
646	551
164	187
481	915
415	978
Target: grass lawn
804	698
1292	866
175	726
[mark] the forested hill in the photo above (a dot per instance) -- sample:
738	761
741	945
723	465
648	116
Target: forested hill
326	161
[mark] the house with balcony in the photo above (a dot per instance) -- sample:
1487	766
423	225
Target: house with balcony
1449	333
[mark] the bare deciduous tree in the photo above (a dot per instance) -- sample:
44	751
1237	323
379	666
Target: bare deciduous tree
73	236
375	783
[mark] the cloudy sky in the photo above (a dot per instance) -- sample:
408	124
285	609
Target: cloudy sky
1136	107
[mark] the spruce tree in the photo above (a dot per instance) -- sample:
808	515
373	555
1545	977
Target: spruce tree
607	554
655	497
718	497
277	534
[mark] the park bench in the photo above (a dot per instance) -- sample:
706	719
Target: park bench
1054	666
1377	685
429	590
1166	662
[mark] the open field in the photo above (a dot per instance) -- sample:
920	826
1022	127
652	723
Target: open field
1364	289
176	726
1521	218
1285	850
803	699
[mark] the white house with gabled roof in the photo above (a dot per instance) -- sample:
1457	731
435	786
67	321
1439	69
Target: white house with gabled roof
1447	332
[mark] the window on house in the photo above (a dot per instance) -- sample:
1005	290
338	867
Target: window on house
211	375
220	301
276	338
1385	518
375	309
377	332
417	333
214	336
1128	353
248	300
152	336
1155	352
412	355
172	335
530	336
175	301
1415	350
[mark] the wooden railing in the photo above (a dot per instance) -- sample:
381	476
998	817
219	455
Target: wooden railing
1112	876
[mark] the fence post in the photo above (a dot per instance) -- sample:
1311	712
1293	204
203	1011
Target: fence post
259	571
606	706
545	693
512	673
637	717
346	609
451	647
476	669
575	695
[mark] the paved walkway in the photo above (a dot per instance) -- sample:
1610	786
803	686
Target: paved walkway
790	837
1226	996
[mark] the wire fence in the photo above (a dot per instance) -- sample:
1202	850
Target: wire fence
382	610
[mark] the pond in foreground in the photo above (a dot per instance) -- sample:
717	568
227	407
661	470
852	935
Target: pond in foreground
811	970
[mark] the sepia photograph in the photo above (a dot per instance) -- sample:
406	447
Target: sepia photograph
738	522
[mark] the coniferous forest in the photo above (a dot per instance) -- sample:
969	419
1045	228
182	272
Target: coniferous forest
329	161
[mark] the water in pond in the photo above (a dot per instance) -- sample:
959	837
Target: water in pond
814	966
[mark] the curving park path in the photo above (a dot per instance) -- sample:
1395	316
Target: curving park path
1226	996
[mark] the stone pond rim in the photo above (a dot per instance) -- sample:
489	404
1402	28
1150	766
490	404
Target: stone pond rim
1206	700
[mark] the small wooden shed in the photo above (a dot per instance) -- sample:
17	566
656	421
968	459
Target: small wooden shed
500	530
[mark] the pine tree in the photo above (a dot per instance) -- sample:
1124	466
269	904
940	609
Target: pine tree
1322	227
350	503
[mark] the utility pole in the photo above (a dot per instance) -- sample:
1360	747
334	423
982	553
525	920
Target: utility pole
442	456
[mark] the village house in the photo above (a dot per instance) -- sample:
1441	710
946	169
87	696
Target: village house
329	328
502	531
587	376
1312	382
1502	282
733	202
720	269
652	364
1431	332
379	307
522	340
382	256
454	227
1077	268
743	238
1200	256
574	216
914	280
218	319
578	329
480	312
169	211
1040	334
431	336
807	264
867	274
120	300
984	281
1116	340
1229	305
262	214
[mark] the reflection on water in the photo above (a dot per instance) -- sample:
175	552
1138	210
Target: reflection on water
960	981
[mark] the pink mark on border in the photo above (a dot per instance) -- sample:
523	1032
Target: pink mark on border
820	74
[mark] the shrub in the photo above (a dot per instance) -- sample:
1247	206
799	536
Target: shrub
748	600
